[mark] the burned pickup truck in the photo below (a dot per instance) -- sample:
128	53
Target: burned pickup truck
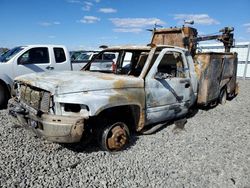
140	87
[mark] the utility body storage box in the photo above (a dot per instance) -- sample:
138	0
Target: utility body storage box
215	71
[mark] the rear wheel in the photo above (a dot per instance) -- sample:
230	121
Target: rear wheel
3	97
223	96
114	137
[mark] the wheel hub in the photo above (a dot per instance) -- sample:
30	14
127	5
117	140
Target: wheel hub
118	138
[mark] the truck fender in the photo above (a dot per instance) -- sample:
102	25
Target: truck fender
105	103
126	112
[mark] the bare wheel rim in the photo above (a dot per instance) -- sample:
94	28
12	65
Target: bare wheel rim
117	137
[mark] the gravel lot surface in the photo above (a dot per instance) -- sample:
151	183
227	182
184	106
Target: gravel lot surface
213	150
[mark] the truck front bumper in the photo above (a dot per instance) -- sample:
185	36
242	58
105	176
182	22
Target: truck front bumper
61	129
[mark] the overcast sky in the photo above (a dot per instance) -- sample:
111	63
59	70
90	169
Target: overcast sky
91	23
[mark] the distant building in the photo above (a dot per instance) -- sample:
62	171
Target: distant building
242	48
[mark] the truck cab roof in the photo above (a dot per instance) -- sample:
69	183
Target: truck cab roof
143	48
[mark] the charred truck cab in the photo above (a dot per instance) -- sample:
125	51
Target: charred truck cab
148	85
131	89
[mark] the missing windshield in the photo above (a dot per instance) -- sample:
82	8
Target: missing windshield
122	62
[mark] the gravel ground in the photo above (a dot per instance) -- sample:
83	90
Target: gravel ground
213	150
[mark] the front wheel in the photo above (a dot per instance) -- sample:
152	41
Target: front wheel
115	137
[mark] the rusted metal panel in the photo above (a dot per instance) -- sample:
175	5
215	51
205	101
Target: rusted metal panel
215	71
181	37
168	37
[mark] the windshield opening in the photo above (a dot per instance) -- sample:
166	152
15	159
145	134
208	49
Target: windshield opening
121	62
11	53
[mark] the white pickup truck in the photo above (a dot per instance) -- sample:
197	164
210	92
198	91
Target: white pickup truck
29	59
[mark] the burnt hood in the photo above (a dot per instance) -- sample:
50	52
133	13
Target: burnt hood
79	81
